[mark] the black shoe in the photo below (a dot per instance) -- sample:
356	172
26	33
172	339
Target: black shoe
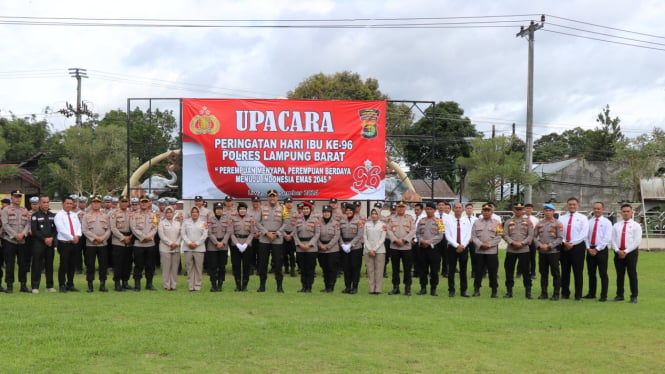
9	289
508	295
126	286
150	287
280	289
293	272
433	292
394	291
533	276
476	293
346	290
619	298
72	289
602	299
565	297
451	293
495	295
554	297
578	299
543	296
633	299
527	294
423	291
353	291
24	288
63	289
213	289
302	289
262	288
464	294
589	296
407	291
90	289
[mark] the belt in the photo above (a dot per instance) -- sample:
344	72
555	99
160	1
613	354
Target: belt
288	232
239	236
325	241
126	233
220	239
66	241
347	239
305	239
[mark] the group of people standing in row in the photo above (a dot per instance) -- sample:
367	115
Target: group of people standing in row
420	244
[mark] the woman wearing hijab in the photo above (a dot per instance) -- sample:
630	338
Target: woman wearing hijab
329	248
374	236
306	236
217	246
242	254
194	233
351	235
169	248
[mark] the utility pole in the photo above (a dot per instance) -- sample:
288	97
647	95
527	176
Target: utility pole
81	108
529	32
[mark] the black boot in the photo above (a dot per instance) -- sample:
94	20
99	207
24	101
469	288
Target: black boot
527	294
407	290
90	289
137	285
262	286
149	286
102	286
509	294
24	288
125	285
394	291
213	285
495	294
238	287
219	286
423	291
279	287
244	285
433	292
117	286
476	292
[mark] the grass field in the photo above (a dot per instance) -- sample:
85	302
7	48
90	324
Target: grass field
228	332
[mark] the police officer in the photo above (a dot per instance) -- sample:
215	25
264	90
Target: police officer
271	225
289	243
429	232
242	251
328	253
548	238
122	244
255	213
43	245
97	231
16	226
217	248
486	234
350	240
306	232
401	230
518	233
144	227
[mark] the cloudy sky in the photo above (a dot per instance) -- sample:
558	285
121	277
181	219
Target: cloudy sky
465	51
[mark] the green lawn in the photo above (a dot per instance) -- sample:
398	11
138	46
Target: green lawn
228	332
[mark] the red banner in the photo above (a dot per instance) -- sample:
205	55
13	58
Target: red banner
306	149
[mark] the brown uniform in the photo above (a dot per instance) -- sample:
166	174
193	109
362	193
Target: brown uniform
242	230
96	228
488	232
549	233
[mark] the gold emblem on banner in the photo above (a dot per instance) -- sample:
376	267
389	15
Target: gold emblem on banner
368	122
204	123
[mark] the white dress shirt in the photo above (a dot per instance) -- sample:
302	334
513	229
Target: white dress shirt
62	225
580	227
465	231
603	233
633	235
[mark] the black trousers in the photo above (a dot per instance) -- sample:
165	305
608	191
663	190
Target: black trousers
572	259
78	255
406	257
329	265
523	260
241	263
473	259
351	264
216	261
549	263
265	251
289	255
42	258
628	264
597	263
307	262
144	258
101	254
453	259
489	262
418	260
443	251
122	262
11	252
430	260
532	258
67	269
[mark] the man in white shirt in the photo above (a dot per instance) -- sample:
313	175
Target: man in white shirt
626	238
68	226
458	237
443	213
575	230
418	252
597	242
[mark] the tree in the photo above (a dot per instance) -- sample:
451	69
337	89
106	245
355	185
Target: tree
437	140
604	139
639	158
346	85
24	137
91	161
493	163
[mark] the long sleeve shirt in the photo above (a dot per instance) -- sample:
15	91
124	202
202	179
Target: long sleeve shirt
62	225
603	233
465	232
169	233
374	236
487	231
633	236
15	220
579	227
95	225
194	232
548	232
401	227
